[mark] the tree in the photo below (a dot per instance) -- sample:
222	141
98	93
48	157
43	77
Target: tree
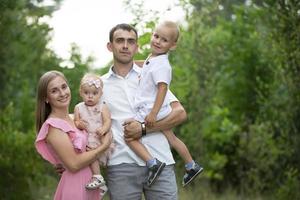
24	54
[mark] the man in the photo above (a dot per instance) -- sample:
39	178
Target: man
127	173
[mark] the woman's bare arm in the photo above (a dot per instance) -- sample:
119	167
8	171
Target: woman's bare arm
63	147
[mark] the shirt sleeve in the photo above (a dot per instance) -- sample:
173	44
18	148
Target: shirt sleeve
162	73
171	97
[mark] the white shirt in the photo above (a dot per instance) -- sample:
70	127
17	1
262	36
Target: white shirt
119	93
155	70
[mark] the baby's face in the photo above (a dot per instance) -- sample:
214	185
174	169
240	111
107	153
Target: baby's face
163	39
90	94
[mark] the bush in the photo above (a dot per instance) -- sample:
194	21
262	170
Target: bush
22	170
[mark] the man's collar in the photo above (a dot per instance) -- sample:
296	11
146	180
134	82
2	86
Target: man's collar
135	68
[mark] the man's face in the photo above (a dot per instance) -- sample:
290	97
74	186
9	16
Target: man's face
123	46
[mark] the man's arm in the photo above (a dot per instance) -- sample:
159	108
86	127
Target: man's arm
133	129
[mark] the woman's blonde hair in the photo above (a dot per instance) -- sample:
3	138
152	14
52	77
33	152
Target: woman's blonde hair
43	109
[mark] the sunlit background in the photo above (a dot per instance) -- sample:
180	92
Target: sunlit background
87	23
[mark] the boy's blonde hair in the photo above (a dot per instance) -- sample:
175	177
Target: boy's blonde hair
91	79
171	25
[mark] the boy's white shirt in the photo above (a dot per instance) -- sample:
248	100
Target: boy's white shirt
119	94
155	69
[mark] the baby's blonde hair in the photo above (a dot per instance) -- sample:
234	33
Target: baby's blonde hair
172	25
91	79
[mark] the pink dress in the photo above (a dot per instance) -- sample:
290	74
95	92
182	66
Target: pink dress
71	185
93	116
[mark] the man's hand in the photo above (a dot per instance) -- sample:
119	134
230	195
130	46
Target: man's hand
59	169
132	130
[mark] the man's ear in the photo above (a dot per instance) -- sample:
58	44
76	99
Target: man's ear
108	45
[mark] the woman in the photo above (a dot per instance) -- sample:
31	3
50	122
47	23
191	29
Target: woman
60	142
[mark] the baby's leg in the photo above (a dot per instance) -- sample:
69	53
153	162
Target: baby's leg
179	146
97	180
95	167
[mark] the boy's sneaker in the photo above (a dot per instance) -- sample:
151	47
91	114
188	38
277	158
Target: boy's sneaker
154	172
191	174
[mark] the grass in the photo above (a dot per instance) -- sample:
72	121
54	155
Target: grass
198	190
203	192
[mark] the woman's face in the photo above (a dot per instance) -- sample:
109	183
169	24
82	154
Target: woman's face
58	93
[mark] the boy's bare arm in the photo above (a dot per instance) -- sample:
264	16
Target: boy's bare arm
133	129
162	89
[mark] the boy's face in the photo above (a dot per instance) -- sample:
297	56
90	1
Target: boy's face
163	39
123	46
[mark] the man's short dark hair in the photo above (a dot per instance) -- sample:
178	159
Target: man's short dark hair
126	27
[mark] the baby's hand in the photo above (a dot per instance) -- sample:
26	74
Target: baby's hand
81	124
100	131
150	119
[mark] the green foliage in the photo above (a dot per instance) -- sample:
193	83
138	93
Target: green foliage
21	169
219	134
24	57
236	73
23	54
235	70
290	187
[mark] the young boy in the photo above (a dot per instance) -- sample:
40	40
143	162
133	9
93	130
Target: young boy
151	105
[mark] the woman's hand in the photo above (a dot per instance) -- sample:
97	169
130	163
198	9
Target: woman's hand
106	139
100	131
59	168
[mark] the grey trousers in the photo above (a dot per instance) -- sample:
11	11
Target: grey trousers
128	182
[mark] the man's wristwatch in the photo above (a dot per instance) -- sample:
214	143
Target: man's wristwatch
143	125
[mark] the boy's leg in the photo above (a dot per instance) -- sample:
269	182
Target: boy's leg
125	181
165	186
193	169
155	166
140	150
178	145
